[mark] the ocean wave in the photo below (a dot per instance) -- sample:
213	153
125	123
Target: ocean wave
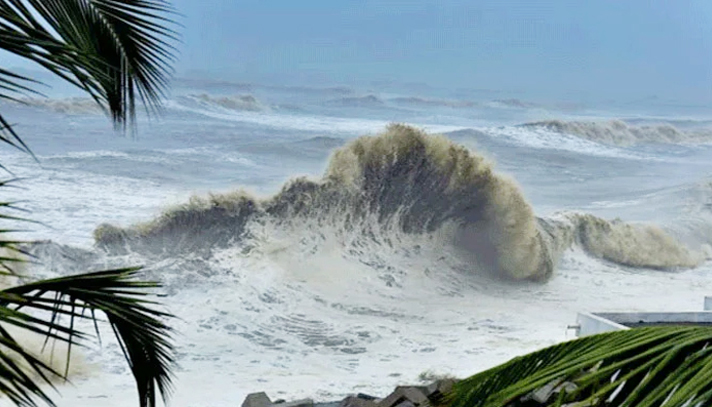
619	133
629	244
425	102
544	139
401	179
321	142
238	102
301	122
405	182
357	101
515	103
73	105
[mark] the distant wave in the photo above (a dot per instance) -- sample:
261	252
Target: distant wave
357	101
406	182
425	102
74	105
329	90
517	103
238	102
321	142
619	133
221	85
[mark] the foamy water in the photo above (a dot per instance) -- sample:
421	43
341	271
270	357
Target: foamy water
373	269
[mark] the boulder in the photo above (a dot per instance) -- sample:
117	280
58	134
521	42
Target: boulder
257	400
299	403
437	390
352	401
413	394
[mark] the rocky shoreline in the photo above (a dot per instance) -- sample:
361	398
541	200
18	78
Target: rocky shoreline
431	395
402	396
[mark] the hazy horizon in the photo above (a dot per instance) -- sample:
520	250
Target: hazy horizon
546	49
549	50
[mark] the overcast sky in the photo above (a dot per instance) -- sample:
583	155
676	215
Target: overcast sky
608	48
546	48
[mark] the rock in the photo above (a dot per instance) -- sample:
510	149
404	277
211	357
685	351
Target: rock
352	401
366	396
299	403
257	400
413	394
436	390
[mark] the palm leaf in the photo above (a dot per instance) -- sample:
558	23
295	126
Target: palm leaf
115	50
643	367
138	326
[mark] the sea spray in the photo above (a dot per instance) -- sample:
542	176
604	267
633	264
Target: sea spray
405	181
405	177
629	244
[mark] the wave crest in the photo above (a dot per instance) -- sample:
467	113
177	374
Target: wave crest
628	244
406	181
357	101
73	105
238	102
619	133
425	102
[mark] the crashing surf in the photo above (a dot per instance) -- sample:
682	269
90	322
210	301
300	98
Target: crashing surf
407	182
620	133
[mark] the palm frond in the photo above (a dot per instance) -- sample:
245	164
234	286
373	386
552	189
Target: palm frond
115	50
642	367
138	326
12	252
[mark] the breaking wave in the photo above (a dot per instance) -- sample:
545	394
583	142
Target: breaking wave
239	102
516	103
424	102
73	105
619	133
357	101
624	243
406	182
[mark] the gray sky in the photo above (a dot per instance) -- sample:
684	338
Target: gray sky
599	48
556	49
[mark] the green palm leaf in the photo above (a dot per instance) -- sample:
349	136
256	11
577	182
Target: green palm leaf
140	329
641	367
116	50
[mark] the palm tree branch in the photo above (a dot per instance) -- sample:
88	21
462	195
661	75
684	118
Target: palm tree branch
641	367
110	48
14	381
138	327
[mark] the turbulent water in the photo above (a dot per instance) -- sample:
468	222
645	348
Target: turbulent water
617	132
310	248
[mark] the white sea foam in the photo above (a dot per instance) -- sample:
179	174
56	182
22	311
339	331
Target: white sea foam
543	138
309	123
